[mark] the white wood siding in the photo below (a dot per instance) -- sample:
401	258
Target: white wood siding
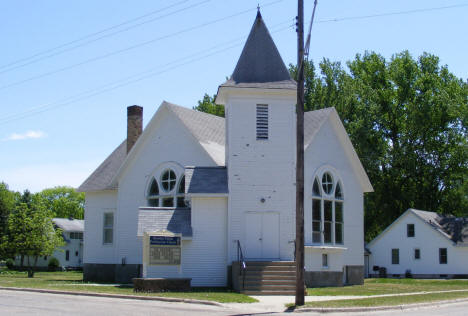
261	168
204	257
96	204
169	141
427	239
326	151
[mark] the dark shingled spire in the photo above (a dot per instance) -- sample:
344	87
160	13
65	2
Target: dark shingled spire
260	61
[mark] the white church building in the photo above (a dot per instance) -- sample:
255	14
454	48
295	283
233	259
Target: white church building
226	188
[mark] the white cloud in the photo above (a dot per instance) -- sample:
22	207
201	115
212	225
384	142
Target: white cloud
35	178
26	135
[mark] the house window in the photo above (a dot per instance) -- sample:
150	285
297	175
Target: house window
443	255
168	196
410	230
417	254
67	255
108	229
262	121
76	235
327	210
324	260
395	256
76	253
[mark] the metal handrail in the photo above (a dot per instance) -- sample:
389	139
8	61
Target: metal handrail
241	261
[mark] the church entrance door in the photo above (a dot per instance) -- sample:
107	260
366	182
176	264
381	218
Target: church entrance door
262	236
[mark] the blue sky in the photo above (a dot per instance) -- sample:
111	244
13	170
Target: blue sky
69	69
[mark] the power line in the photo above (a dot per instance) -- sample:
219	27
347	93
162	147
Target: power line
91	35
134	78
99	38
360	17
141	44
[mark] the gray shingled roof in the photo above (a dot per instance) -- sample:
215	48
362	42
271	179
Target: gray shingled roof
102	177
69	225
313	120
260	64
177	221
209	130
454	228
205	127
206	180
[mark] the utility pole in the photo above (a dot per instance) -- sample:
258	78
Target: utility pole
300	291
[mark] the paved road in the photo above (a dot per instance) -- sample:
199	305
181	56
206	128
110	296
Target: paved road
27	303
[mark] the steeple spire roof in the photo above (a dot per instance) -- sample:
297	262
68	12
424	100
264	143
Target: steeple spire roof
260	64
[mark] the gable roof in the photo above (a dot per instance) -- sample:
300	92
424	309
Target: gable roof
260	64
209	131
69	225
205	127
453	228
101	178
177	221
313	120
206	180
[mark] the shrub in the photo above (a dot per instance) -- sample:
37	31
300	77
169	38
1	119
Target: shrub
408	274
10	264
53	264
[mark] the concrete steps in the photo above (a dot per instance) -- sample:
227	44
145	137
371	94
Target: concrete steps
269	278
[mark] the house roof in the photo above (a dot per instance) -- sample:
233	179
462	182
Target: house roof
209	131
176	220
454	228
205	127
69	225
200	180
313	120
101	178
260	64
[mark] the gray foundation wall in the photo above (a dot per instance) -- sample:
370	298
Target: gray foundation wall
354	275
113	273
323	278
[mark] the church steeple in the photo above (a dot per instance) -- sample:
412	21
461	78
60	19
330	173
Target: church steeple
260	61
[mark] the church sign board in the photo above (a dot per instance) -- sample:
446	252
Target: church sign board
163	249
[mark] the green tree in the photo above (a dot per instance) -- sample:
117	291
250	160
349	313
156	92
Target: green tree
408	120
31	233
7	205
63	202
208	105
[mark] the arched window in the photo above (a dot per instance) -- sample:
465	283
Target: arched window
327	210
162	190
153	193
181	193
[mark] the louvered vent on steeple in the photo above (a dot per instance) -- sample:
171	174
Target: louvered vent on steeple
262	121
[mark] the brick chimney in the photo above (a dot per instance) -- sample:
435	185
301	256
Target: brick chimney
134	125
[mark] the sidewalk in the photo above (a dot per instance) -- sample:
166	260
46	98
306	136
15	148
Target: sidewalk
276	303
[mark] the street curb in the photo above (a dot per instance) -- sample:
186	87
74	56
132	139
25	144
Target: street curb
128	297
377	308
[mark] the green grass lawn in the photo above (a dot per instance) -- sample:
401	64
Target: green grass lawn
73	281
389	300
391	286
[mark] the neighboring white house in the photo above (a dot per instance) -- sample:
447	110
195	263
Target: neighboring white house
227	185
427	244
71	254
